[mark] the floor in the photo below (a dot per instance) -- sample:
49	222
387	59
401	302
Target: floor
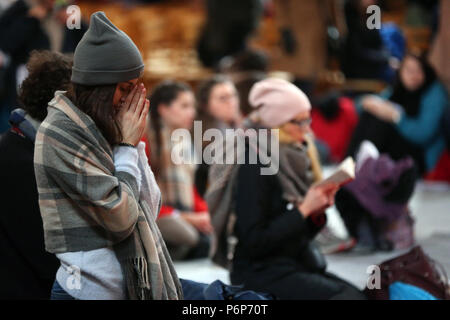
430	207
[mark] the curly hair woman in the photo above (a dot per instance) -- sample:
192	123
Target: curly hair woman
21	235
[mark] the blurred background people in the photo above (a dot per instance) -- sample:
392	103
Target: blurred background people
28	25
364	55
218	103
227	29
27	270
274	218
184	218
375	206
245	69
218	108
407	118
334	118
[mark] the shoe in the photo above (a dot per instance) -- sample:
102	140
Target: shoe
330	243
361	249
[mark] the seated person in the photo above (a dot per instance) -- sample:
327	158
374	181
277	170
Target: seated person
274	216
406	119
375	206
218	108
184	219
334	118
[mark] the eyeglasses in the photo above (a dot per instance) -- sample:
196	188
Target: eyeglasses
302	123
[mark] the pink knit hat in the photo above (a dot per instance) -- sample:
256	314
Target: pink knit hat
278	101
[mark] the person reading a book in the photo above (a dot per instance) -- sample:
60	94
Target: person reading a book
265	224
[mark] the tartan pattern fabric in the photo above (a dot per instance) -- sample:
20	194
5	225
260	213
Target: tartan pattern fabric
175	180
85	204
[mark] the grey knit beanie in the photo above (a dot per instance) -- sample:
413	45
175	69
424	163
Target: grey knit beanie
105	55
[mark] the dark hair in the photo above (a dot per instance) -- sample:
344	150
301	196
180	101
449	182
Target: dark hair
164	93
47	72
97	102
203	96
243	87
410	100
427	69
249	60
205	89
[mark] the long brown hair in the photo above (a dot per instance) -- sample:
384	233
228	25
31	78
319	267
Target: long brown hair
97	102
164	93
203	96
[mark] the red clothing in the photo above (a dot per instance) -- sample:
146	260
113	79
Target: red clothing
336	133
442	170
200	204
147	147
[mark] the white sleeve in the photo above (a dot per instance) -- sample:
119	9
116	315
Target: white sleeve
150	192
126	160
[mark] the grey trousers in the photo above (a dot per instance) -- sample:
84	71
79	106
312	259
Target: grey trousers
179	235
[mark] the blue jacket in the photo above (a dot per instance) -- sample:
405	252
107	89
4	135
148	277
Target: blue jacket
425	129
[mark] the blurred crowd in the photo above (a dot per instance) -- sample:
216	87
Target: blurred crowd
85	171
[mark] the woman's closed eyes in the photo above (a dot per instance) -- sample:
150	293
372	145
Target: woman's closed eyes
126	89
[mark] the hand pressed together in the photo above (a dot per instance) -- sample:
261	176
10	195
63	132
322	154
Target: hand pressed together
132	116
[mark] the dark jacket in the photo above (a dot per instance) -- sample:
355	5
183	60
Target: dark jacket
364	53
19	35
227	27
275	252
27	271
273	236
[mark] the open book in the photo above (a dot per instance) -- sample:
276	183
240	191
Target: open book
344	174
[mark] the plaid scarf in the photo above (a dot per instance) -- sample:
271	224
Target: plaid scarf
85	204
175	180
